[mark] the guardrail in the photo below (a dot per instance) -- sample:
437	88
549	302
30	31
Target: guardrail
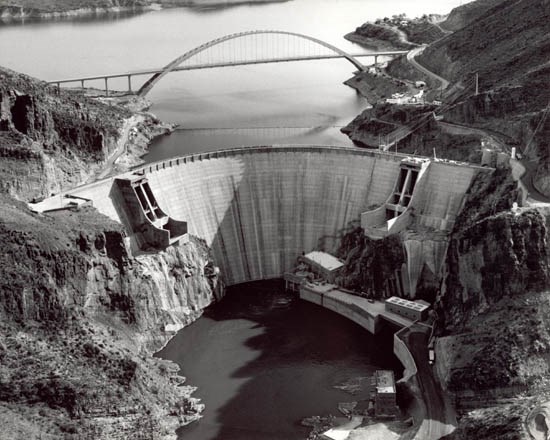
155	166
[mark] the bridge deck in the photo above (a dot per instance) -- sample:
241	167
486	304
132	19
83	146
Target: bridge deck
155	70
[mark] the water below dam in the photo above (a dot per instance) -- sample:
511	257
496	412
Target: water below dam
297	102
263	360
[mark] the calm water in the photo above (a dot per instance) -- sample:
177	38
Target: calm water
263	360
306	99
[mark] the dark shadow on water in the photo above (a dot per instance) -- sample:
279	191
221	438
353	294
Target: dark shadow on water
297	354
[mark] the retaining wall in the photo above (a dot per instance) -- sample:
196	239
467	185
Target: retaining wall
350	311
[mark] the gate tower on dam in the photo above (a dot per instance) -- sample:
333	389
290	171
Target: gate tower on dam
258	208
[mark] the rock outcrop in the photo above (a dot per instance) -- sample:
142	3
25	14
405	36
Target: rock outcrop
70	274
495	337
53	139
493	252
79	314
506	46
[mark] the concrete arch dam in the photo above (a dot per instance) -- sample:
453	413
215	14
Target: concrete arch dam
258	208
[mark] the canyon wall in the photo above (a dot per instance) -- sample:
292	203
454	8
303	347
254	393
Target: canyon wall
79	318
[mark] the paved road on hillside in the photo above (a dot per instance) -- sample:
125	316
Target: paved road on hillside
527	179
530	167
445	31
410	58
129	124
440	419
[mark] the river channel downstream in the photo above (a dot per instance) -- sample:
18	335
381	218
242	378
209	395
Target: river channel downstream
261	358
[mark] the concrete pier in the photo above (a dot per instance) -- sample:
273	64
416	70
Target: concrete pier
367	314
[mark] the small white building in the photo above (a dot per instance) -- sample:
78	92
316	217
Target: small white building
415	310
322	264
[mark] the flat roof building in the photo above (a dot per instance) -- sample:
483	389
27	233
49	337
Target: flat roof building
385	397
415	310
322	264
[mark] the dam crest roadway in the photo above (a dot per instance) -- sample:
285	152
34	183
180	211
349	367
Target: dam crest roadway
242	48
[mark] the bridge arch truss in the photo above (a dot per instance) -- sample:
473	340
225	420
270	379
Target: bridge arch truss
151	82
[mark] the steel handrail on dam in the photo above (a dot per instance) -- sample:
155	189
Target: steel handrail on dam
234	152
229	152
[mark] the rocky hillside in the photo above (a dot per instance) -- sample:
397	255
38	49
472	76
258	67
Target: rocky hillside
467	13
19	9
494	349
79	318
54	139
508	46
80	315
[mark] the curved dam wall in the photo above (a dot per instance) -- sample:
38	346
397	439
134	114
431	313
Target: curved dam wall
258	208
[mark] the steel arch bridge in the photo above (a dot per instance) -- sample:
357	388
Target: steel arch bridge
150	83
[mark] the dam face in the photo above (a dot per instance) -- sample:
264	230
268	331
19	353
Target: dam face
259	208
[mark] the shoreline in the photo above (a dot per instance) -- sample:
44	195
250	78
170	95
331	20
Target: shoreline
137	134
13	14
371	43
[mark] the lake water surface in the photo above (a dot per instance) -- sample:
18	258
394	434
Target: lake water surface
298	102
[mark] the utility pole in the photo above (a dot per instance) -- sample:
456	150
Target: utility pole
477	83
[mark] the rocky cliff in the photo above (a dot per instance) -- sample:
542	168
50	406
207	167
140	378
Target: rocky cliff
80	317
54	139
493	252
506	44
492	355
370	266
79	314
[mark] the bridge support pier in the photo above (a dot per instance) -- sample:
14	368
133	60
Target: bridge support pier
106	87
82	83
129	83
375	60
